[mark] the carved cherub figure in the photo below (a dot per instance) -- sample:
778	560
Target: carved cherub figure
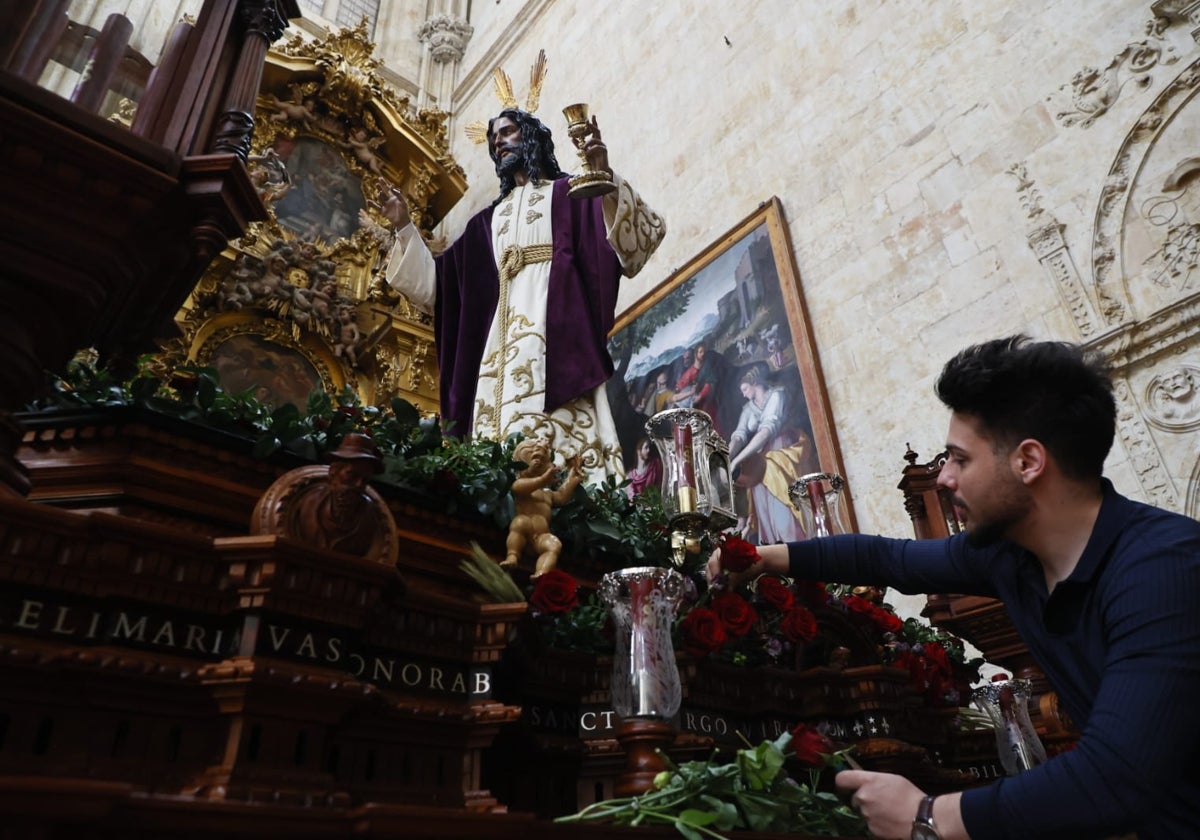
233	293
299	109
349	336
273	280
364	149
530	528
269	176
237	287
321	293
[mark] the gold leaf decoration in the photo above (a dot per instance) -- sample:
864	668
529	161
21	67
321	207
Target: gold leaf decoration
476	132
504	88
537	75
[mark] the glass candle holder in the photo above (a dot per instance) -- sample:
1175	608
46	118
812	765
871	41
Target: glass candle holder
643	601
1006	703
697	489
818	496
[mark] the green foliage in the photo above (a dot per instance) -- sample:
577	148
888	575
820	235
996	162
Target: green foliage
703	798
470	477
916	632
583	629
461	477
602	523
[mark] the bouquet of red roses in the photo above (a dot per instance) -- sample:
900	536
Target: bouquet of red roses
756	630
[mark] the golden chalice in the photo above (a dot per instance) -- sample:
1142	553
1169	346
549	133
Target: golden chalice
590	182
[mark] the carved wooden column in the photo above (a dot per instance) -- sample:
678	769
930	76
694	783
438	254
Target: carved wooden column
102	63
263	24
30	36
931	514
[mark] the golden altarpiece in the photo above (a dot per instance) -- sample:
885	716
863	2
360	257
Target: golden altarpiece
299	301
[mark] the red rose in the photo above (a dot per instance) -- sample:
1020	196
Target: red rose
937	655
918	667
735	613
798	625
941	691
858	605
810	745
702	632
886	621
776	593
443	482
812	592
555	592
737	555
905	659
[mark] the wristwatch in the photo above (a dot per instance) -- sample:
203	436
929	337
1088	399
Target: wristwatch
923	828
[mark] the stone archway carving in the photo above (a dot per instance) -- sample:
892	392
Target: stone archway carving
1146	283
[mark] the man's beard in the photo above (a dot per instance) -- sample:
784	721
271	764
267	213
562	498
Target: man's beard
1009	507
509	165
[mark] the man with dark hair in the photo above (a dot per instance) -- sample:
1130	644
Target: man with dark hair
524	300
1102	589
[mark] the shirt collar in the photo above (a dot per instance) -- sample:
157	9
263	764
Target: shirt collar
1110	522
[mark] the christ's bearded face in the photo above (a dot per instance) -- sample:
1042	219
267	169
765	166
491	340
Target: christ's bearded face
504	140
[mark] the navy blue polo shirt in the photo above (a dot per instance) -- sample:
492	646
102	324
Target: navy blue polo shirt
1118	640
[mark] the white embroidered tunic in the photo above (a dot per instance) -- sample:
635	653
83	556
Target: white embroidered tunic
510	394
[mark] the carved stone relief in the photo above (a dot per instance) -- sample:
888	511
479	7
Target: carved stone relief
1172	398
1141	244
1145	288
447	37
1192	505
1045	236
1144	455
1092	91
1185	11
1147	255
1166	390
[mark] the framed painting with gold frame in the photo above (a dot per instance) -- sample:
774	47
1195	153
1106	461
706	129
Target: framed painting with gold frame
729	333
265	359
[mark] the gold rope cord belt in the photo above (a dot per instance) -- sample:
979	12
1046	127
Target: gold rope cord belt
512	260
516	257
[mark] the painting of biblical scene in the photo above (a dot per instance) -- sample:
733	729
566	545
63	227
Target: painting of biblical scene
276	374
728	334
323	198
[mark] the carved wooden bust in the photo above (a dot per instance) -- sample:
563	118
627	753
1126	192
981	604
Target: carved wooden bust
332	506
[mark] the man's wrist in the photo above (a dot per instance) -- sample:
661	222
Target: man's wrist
923	827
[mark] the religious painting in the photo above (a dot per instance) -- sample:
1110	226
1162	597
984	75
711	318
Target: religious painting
276	374
323	197
729	334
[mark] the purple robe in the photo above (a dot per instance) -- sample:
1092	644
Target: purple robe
584	276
